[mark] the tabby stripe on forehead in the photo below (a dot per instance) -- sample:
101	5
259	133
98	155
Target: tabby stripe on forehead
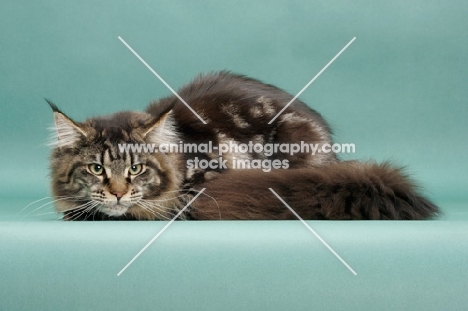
132	158
112	152
123	155
107	163
102	156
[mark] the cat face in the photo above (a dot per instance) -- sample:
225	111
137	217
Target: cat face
94	176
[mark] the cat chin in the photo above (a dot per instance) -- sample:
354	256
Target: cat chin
114	211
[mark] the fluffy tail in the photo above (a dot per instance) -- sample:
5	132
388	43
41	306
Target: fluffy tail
340	191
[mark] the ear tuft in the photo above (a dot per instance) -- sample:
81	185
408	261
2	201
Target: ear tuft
66	131
52	105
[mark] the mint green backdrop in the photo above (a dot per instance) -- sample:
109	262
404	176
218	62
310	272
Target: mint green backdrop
398	93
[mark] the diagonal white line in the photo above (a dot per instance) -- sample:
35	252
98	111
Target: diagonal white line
311	81
161	79
315	233
160	232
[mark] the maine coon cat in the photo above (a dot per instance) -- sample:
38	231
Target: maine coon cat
95	178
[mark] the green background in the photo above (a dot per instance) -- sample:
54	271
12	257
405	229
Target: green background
398	93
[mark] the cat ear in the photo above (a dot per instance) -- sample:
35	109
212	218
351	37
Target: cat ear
66	130
161	130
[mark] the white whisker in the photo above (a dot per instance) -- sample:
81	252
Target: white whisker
45	198
48	203
153	209
85	208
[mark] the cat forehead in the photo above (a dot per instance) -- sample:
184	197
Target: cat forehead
120	162
111	155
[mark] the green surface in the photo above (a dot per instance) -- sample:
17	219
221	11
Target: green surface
398	92
234	266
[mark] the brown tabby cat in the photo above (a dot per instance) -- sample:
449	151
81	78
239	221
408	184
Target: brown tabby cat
95	177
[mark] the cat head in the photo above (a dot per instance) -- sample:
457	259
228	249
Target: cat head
96	174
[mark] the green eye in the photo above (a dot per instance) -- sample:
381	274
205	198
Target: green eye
96	169
135	169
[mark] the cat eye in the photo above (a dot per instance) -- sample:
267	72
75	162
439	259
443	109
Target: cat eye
96	169
135	169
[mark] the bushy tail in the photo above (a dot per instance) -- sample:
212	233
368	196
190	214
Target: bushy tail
339	191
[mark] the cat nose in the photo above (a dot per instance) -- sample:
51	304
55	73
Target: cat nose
118	195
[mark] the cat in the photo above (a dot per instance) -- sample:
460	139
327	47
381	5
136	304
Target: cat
97	176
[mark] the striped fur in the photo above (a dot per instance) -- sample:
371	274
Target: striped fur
92	179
